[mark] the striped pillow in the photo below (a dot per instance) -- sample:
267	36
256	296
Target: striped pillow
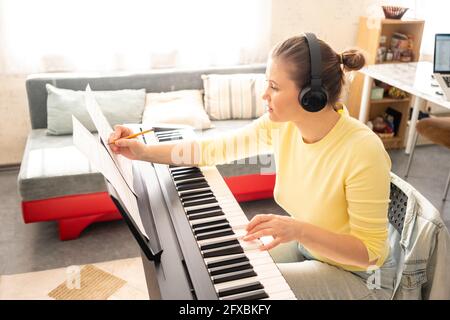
234	96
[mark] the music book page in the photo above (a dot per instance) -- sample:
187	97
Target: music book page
104	129
99	158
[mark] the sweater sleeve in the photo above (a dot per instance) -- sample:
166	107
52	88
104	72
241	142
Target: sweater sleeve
367	188
250	140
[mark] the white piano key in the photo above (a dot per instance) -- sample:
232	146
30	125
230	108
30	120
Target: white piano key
219	239
259	277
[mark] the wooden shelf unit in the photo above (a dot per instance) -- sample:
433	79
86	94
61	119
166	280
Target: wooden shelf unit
368	40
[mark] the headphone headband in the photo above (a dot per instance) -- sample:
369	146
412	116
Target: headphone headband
313	97
315	61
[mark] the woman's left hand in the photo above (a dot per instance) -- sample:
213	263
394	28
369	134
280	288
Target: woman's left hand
281	228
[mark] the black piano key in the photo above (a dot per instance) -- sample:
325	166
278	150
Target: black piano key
242	274
166	134
205	215
230	269
169	139
188	176
218	252
240	289
227	261
197	194
194	211
174	167
219	244
252	295
180	171
215	227
193	186
200	202
209	223
189	192
198	197
183	174
190	182
216	234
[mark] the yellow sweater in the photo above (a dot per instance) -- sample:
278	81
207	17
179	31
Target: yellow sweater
340	183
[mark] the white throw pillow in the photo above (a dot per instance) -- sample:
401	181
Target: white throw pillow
184	107
234	96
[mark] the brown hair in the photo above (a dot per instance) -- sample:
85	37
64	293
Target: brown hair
295	52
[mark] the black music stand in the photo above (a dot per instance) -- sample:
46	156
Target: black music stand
150	247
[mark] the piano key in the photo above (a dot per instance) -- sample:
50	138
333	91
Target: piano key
189	181
240	289
168	134
200	203
206	208
178	172
235	236
218	252
192	186
186	175
221	244
253	295
198	198
185	192
205	215
230	268
196	194
202	208
215	227
206	221
196	225
214	234
169	139
202	215
223	261
237	275
259	277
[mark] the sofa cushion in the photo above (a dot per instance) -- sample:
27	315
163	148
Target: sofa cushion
183	107
235	96
52	167
118	106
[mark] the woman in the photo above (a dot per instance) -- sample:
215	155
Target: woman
332	178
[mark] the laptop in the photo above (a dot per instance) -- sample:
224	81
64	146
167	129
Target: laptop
441	65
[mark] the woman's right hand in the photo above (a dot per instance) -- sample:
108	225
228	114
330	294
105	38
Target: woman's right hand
130	148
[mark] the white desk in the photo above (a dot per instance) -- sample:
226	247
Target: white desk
414	78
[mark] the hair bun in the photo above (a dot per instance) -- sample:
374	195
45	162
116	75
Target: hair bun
353	59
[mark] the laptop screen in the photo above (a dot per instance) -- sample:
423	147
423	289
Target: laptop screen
442	53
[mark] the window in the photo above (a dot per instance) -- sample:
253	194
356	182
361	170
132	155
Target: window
81	35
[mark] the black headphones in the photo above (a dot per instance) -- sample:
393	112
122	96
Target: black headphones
313	97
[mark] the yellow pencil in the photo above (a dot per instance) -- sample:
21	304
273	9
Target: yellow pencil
133	135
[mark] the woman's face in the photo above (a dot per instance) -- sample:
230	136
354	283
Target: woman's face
281	93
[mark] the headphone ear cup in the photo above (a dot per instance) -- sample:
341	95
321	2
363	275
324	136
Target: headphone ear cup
303	97
312	101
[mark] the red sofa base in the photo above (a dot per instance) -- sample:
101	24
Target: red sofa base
75	213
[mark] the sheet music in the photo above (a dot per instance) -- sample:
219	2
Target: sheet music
99	158
104	131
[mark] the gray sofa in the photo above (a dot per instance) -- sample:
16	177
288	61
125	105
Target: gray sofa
53	170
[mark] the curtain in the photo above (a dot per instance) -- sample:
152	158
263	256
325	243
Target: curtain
135	35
